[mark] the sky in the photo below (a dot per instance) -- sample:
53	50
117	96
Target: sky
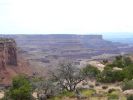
107	17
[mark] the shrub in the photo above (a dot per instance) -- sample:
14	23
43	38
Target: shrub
128	85
113	97
109	75
97	84
128	72
122	61
21	89
104	87
67	94
130	97
90	71
62	95
87	92
111	90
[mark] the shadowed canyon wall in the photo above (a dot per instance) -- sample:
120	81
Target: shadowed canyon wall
8	53
11	63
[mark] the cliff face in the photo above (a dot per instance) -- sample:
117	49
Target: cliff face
10	65
8	53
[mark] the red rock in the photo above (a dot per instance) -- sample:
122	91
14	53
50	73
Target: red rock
11	63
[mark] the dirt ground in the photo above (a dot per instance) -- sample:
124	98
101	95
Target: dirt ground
1	94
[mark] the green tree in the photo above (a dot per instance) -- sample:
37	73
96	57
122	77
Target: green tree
21	88
128	61
122	61
128	72
109	75
105	76
90	71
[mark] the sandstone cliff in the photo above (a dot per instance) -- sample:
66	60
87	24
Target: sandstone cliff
11	63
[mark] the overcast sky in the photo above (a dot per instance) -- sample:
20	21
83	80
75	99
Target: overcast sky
66	16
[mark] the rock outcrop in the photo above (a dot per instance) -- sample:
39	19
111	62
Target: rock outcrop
10	64
8	52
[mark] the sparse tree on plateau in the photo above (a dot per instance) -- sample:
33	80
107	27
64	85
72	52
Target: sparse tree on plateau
68	76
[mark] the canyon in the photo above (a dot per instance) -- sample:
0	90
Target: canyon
44	52
47	50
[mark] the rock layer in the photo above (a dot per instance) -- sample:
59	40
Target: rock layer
10	63
8	52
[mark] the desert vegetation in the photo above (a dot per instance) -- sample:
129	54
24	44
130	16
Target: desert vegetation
70	82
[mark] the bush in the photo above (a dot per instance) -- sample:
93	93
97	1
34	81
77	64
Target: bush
104	87
128	72
21	89
113	97
122	61
111	90
90	71
109	75
127	85
62	95
87	92
130	97
97	84
67	94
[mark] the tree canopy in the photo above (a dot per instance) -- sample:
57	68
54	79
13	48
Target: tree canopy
90	71
21	88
